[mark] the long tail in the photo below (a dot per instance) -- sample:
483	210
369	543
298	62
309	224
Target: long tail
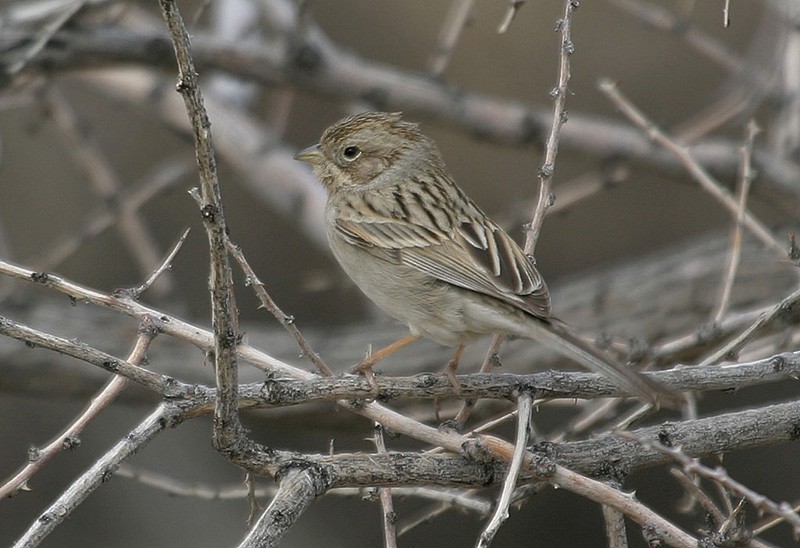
558	336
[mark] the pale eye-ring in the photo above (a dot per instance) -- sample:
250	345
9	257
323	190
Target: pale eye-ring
351	152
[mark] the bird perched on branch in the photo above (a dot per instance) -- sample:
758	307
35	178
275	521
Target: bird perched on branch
422	251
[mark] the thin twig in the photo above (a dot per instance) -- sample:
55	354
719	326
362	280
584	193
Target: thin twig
682	153
703	336
296	492
513	7
588	185
564	478
484	427
592	413
454	24
69	437
95	476
106	183
278	109
163	385
44	35
264	162
165	176
489	362
451	441
730	523
255	506
168	324
305	387
559	95
726	14
794	249
136	292
751	80
745	178
198	13
634	415
426	514
448	500
724	494
659	18
524	407
203	339
287	321
785	128
452	498
388	515
772	521
720	477
694	491
233	21
730	350
347	76
598	491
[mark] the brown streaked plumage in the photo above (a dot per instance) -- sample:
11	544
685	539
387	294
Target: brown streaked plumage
418	247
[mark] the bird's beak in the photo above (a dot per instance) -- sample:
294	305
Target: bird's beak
312	155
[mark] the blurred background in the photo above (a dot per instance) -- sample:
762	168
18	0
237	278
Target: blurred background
85	133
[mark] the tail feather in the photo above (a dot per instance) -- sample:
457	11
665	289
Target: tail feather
557	336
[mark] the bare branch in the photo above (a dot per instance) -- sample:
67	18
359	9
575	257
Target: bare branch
661	19
98	473
136	292
227	425
524	407
44	35
652	312
388	515
295	493
745	178
513	7
658	527
730	350
69	437
721	477
267	302
726	14
163	177
559	95
457	19
168	324
707	182
616	533
105	182
450	498
505	386
161	384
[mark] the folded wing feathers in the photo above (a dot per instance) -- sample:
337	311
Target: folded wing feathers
435	243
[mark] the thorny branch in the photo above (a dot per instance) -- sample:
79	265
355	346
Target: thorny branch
474	459
559	95
564	451
720	476
227	427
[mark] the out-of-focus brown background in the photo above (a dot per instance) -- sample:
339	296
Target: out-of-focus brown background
45	196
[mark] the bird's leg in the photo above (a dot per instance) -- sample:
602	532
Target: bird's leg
452	366
364	367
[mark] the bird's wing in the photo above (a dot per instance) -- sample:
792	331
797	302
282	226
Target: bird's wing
463	247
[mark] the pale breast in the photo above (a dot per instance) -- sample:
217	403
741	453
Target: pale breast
429	307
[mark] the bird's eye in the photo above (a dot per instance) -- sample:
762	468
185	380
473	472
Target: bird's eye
351	152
